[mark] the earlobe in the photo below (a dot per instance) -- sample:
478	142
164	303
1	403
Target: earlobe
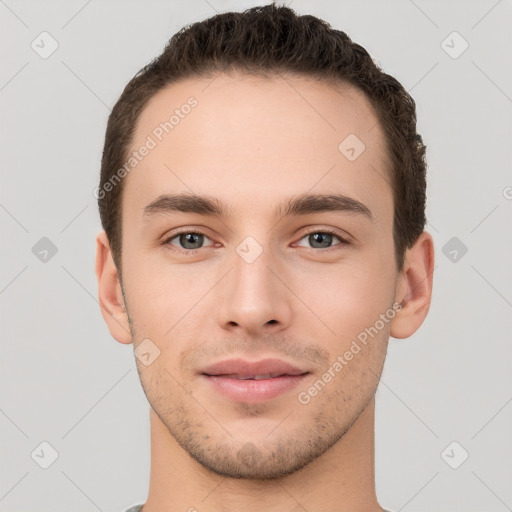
109	292
414	289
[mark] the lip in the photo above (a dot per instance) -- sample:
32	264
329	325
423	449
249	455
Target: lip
232	378
251	368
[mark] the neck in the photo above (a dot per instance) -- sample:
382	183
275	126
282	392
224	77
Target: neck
340	480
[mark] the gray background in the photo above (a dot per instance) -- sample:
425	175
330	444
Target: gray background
65	381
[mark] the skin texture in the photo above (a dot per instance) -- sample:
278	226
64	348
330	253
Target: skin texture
252	143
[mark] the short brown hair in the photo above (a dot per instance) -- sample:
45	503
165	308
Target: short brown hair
265	41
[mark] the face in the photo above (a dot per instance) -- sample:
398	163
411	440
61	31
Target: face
253	314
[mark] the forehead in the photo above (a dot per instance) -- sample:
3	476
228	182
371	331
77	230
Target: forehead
261	137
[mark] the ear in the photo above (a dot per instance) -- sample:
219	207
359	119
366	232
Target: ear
414	287
110	293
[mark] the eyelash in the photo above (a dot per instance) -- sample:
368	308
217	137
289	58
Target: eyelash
190	252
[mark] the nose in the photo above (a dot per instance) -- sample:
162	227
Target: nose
255	299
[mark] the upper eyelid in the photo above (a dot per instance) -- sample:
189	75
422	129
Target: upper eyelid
326	231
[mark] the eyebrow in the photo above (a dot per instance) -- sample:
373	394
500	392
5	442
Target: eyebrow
303	204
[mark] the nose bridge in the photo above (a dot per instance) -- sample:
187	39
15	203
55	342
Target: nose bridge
254	296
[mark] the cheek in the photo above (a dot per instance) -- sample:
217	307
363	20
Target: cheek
348	298
157	295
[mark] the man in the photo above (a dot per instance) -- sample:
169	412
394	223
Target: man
262	196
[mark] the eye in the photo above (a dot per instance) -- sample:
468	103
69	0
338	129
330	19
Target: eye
323	239
189	241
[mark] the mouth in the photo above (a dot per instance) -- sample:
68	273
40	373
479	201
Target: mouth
258	381
250	376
